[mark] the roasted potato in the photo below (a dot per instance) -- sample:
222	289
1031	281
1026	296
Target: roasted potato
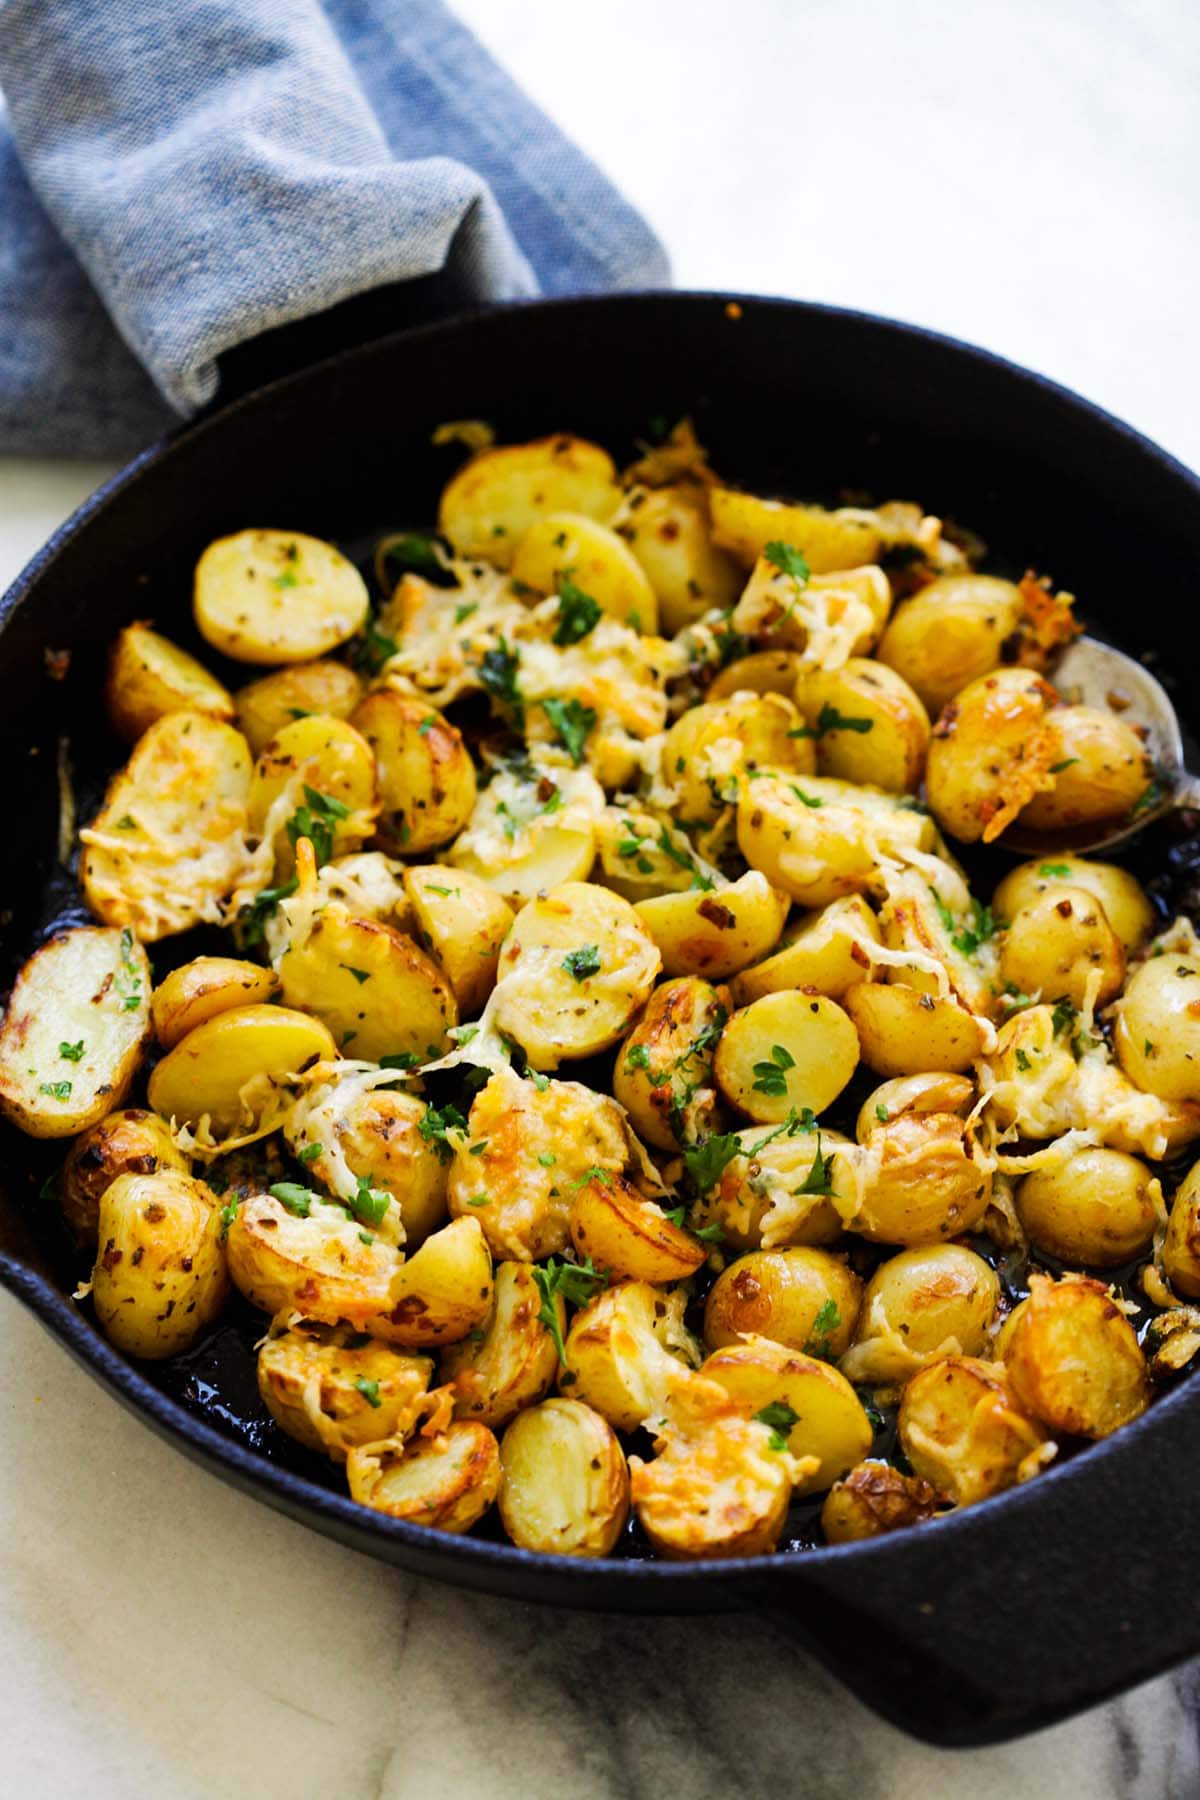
1099	770
875	1499
346	1130
923	1178
869	725
149	676
628	1352
1060	946
784	1187
315	779
442	1292
949	634
786	1052
569	546
818	839
168	846
993	748
510	1361
160	1277
426	777
529	834
719	1491
744	525
930	1092
630	1237
709	746
370	986
715	934
1181	1247
1157	1036
669	532
304	1255
277	597
904	1032
641	856
462	922
332	1389
265	706
201	989
663	1072
566	1487
132	1142
828	950
1073	1359
1095	1207
233	1071
964	1431
574	970
935	1301
445	1482
73	1031
1120	894
498	495
769	1382
804	1299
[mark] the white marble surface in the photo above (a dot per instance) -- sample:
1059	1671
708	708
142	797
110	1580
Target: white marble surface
1025	175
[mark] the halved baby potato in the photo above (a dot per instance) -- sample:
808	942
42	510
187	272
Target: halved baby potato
1073	1358
745	525
805	1299
200	989
828	950
131	1142
160	1277
1099	770
566	1486
370	985
564	545
631	1237
441	1292
489	506
784	1053
669	532
991	751
965	1432
445	1482
277	597
462	921
511	1361
761	672
932	1091
1060	946
870	725
168	845
949	634
663	1072
716	933
523	840
774	1193
816	844
73	1032
425	774
921	1178
627	1353
903	1032
233	1070
874	1499
332	1389
316	779
829	1420
937	1300
310	1258
1125	905
709	745
265	706
345	1130
718	1491
149	676
574	970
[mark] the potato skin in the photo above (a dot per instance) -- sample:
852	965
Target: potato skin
904	1032
600	562
130	1142
426	778
631	1237
1095	1208
1120	894
442	1292
331	1389
497	495
1073	1359
964	1431
376	1133
758	1195
566	1485
160	1277
719	1493
512	1362
710	744
832	1424
73	1032
1108	768
786	1051
931	1091
890	752
370	986
1056	946
317	1266
714	935
233	1066
762	672
200	989
949	634
663	1072
626	1353
922	1181
785	1295
149	676
445	1482
744	524
265	706
277	597
669	532
462	922
1157	1035
990	753
329	756
874	1499
1181	1248
825	950
936	1300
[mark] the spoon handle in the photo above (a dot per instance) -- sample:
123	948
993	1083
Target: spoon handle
1186	794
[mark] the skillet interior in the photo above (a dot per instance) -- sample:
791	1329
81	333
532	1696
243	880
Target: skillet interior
795	399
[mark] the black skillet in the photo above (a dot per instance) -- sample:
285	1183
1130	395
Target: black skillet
988	1623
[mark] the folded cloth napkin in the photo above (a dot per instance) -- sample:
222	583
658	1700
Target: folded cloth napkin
181	176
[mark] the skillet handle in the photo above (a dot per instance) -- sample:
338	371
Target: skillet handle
1008	1616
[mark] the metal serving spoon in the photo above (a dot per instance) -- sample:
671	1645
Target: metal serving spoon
1097	675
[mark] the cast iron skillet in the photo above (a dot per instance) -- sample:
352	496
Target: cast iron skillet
995	1620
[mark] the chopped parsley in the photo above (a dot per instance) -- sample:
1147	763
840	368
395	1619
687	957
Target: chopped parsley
1058	767
464	610
781	1418
708	1161
376	648
967	938
368	1389
370	1204
830	719
771	1077
253	917
808	799
285	580
572	723
427	725
400	1059
228	1214
574	1282
638	1057
1023	1062
826	1322
582	962
296	1198
309	1154
788	560
498	673
578	613
819	1179
595	1173
881	1112
412	550
436	1123
360	975
1054	871
317	821
1063	1017
128	980
71	1052
547	1158
57	1090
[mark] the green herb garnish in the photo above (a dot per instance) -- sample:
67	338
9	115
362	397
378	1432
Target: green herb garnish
771	1077
582	962
576	1283
572	723
578	613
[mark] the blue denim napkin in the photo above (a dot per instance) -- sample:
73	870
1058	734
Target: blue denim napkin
179	176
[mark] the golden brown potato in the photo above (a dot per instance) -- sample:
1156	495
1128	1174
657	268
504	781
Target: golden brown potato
964	1431
669	532
745	525
935	1301
132	1142
641	856
869	724
566	545
663	1072
498	495
200	989
783	1187
930	1092
904	1032
149	676
628	1352
346	1131
277	597
949	634
1099	770
762	672
442	1292
233	1070
1181	1248
462	922
72	1035
315	779
818	839
331	1389
1096	1207
301	1254
1120	894
827	1420
511	1361
709	746
566	1487
719	1491
715	934
828	950
168	846
265	706
874	1499
425	774
532	830
160	1277
632	1238
804	1299
574	970
924	1178
1073	1359
445	1482
992	750
784	1053
1060	946
375	991
1157	1036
